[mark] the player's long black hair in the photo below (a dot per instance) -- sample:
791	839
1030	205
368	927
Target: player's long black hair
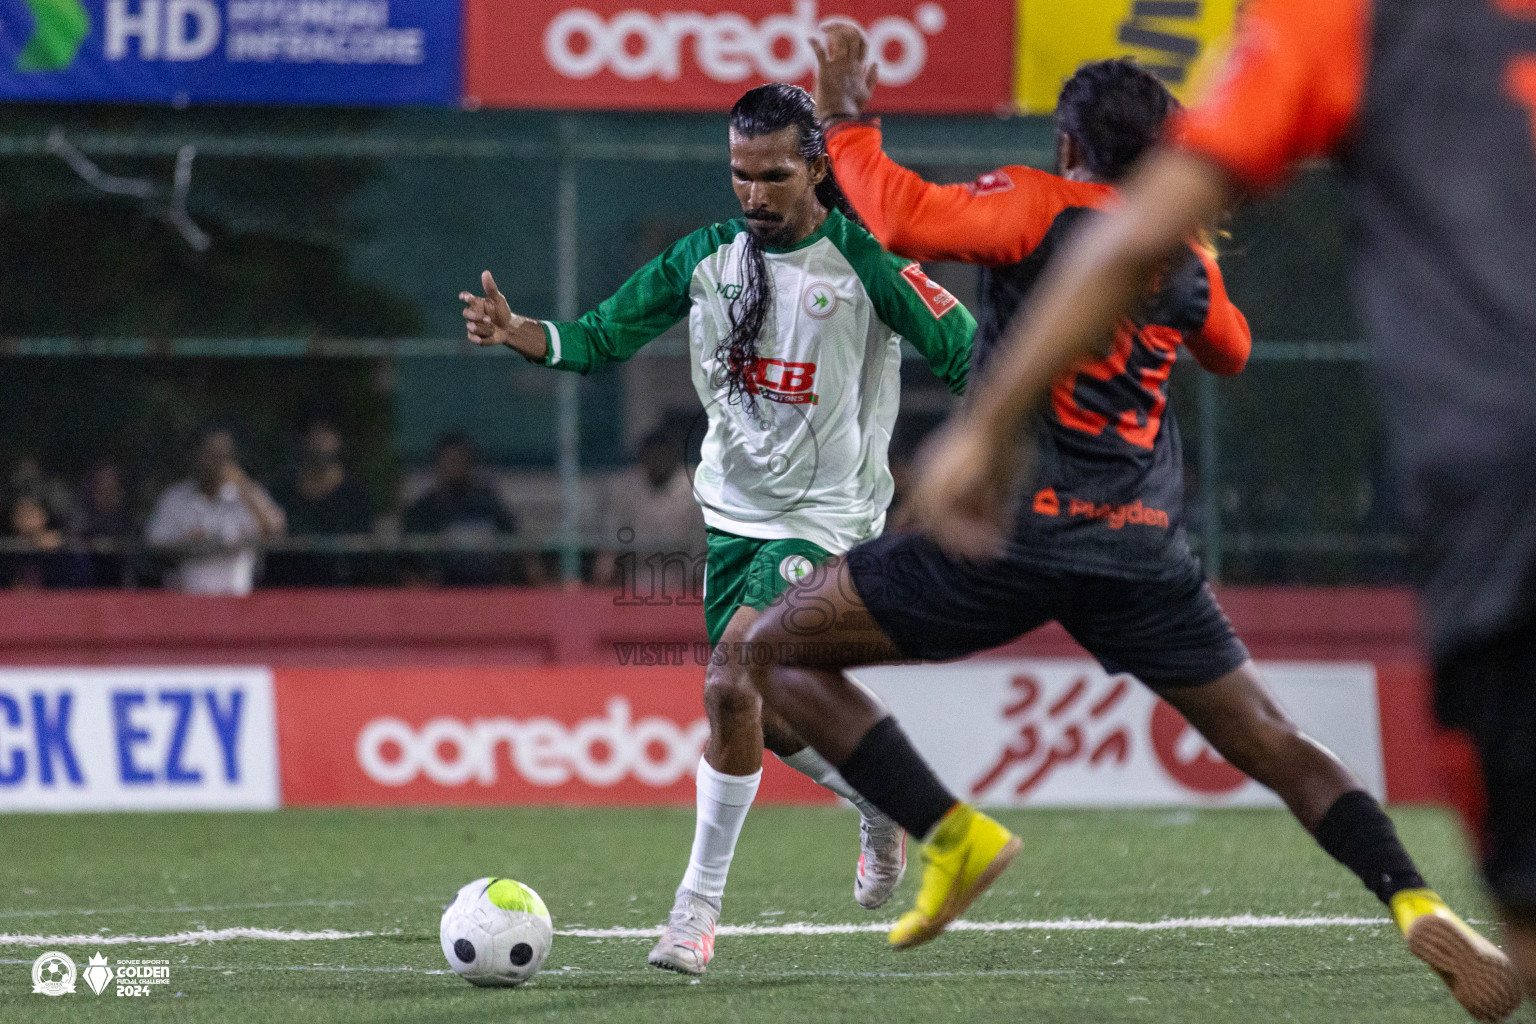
1115	110
763	111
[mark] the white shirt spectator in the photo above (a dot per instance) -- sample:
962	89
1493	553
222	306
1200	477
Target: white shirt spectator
185	515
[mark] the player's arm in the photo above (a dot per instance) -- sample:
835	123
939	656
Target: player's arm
489	320
911	305
997	220
1223	343
945	341
645	306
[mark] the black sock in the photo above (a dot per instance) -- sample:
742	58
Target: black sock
1357	833
889	773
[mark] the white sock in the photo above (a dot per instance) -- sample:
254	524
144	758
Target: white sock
820	771
723	801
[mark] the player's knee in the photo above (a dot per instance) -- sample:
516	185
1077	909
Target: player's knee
729	696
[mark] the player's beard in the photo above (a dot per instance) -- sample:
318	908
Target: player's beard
774	230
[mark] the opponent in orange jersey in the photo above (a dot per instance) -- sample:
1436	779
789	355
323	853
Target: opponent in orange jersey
1096	544
1430	108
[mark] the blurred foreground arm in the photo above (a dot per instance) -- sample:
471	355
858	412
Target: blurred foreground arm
965	475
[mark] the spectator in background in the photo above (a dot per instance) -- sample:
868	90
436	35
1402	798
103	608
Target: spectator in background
217	514
38	559
651	510
104	516
462	510
29	477
321	499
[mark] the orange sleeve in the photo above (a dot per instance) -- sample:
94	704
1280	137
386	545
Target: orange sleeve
1291	89
1224	343
998	219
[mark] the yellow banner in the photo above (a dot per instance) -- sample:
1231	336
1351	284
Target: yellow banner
1181	41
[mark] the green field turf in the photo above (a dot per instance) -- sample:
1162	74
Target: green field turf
390	872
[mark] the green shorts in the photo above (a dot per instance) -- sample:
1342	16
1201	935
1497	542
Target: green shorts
744	572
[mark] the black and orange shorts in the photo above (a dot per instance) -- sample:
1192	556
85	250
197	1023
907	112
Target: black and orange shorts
1167	630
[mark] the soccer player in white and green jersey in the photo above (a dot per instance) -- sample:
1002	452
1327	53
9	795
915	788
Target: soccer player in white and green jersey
795	319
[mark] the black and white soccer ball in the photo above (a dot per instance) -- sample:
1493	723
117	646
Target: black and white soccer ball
496	932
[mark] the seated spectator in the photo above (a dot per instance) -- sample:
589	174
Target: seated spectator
216	515
38	559
462	510
651	510
29	477
321	499
104	516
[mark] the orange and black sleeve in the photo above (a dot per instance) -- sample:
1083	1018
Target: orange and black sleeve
1223	344
996	220
1291	89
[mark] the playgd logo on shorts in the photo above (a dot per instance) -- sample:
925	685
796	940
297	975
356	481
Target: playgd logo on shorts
53	974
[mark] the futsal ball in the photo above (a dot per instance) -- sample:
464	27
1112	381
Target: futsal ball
496	932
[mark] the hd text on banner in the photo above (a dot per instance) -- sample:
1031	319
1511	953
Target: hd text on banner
936	56
343	52
1182	41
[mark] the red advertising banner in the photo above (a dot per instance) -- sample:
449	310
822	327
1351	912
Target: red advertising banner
1002	732
936	56
580	735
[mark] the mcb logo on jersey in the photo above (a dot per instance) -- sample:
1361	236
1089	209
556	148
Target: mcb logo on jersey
780	381
935	296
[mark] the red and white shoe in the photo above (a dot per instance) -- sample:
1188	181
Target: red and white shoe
688	942
882	861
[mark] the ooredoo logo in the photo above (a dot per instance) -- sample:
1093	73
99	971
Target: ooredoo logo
727	47
1188	758
545	752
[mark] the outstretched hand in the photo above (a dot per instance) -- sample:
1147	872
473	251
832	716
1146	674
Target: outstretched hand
844	82
964	479
490	321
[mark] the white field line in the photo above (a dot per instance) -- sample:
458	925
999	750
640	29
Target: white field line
1061	925
94	912
1238	921
187	938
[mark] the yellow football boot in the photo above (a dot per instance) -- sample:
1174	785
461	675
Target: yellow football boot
1477	972
966	853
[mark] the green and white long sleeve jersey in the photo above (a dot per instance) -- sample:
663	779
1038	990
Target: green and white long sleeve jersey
810	461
